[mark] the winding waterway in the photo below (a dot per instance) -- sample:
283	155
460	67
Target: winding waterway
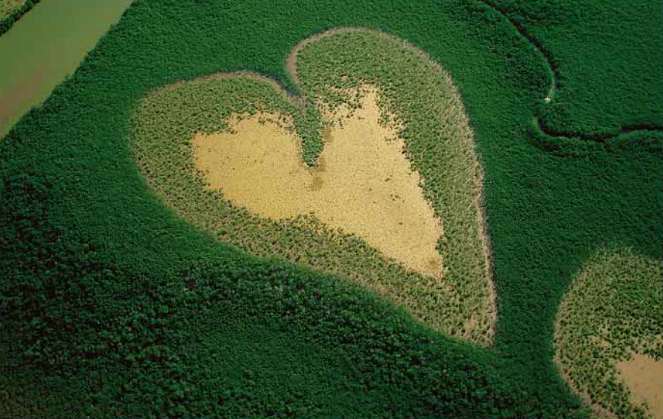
50	41
46	45
554	72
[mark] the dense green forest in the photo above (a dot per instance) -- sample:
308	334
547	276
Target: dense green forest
112	306
608	79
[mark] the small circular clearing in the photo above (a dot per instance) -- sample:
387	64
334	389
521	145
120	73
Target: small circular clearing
609	337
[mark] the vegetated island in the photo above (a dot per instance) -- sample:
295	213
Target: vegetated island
384	186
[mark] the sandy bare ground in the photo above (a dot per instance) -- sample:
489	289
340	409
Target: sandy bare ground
363	185
644	377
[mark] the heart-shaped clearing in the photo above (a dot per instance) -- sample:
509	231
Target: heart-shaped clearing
356	176
363	183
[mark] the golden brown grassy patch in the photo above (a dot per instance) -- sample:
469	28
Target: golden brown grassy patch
363	185
644	376
609	337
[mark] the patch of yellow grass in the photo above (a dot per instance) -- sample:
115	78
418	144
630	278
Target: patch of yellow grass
609	335
644	376
363	185
337	178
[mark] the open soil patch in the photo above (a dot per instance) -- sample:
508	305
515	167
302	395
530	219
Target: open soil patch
363	184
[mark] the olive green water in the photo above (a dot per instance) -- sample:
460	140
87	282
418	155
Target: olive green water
46	45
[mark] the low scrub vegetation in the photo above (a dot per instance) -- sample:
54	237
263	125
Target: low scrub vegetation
613	312
331	71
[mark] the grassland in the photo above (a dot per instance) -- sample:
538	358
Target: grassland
438	143
116	307
12	10
362	184
611	321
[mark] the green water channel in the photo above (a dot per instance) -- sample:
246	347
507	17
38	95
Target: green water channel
46	45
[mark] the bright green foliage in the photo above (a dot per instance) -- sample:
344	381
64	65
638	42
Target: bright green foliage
86	247
438	143
613	309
